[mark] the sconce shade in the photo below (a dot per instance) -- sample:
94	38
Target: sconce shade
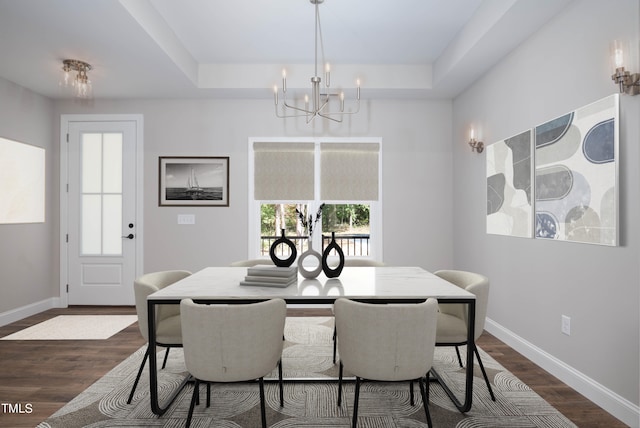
476	146
628	83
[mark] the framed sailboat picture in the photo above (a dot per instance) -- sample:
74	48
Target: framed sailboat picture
194	181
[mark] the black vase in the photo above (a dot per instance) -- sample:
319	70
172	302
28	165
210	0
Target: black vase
283	262
332	273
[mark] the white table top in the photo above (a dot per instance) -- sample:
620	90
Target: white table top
384	283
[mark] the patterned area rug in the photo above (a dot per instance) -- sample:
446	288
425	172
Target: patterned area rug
308	354
75	327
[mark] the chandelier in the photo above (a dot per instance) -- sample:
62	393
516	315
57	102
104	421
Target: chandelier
319	104
80	84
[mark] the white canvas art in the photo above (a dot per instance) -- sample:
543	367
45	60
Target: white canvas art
576	159
509	204
22	180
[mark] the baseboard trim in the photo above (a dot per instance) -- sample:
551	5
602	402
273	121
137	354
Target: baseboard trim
17	314
610	401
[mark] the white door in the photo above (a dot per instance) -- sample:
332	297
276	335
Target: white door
102	229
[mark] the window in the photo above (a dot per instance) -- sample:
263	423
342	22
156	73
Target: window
101	198
289	178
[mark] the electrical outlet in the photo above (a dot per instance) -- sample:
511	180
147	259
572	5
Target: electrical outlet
186	219
566	325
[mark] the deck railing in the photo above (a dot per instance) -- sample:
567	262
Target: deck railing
356	244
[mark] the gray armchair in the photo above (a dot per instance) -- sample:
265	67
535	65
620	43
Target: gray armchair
452	318
353	262
393	342
232	343
168	331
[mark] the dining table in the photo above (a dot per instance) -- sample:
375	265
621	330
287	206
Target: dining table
380	284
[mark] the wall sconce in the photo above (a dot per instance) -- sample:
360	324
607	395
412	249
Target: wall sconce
476	146
629	83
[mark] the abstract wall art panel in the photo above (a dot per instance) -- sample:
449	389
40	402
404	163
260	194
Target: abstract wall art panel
22	180
509	199
576	175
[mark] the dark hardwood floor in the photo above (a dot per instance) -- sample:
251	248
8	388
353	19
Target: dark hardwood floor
47	374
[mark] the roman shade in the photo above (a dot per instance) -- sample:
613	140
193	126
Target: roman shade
349	171
295	171
283	171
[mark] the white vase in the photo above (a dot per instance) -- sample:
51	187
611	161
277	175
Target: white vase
309	274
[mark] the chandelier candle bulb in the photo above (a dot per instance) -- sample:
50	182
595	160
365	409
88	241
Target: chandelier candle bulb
284	80
358	89
275	93
327	75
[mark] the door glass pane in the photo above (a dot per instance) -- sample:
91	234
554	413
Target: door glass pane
91	224
101	193
91	163
112	150
112	225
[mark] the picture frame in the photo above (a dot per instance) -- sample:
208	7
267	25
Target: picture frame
193	181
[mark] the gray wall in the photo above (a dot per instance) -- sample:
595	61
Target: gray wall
28	252
416	148
561	68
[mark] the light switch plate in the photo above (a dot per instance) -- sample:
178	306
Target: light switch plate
186	219
566	325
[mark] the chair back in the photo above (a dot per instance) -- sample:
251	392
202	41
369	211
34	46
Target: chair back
149	283
474	283
387	342
230	343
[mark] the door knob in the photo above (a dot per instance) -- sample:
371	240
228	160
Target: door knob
129	236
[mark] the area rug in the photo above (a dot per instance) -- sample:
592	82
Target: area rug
308	354
75	327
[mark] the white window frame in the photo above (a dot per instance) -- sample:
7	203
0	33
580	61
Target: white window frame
375	207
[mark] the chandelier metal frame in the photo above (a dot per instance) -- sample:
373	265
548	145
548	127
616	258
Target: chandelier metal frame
320	101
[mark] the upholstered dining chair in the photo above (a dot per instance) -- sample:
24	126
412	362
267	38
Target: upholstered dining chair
386	342
168	332
452	317
232	343
356	262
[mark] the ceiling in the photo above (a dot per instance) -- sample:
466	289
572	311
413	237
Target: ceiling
238	48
